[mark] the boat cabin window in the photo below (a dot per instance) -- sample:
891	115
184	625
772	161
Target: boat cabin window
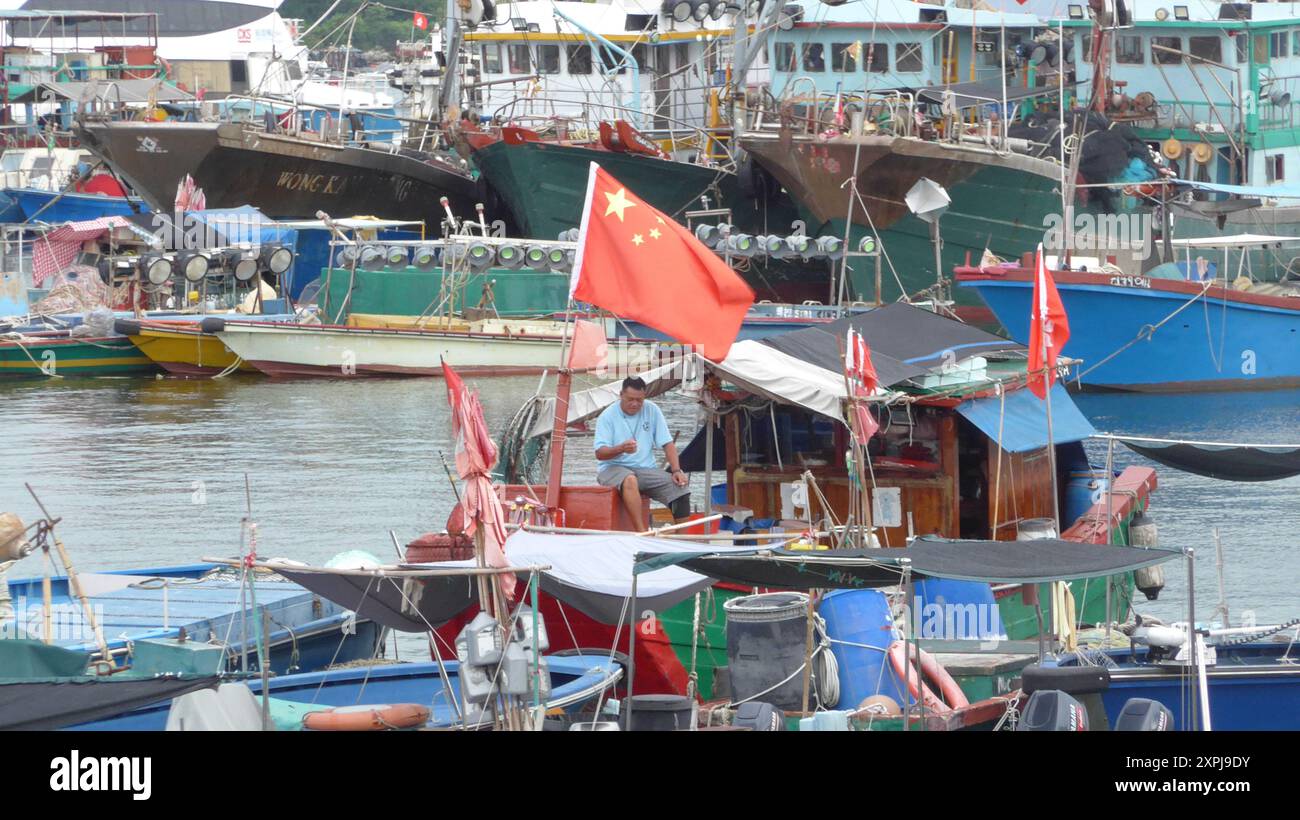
802	439
1261	49
1207	48
1128	50
1085	47
492	58
813	60
579	58
1166	57
610	58
877	58
1273	169
548	59
1278	45
520	60
844	57
785	57
908	58
644	57
1295	43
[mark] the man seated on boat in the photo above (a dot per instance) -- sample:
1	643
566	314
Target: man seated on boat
627	434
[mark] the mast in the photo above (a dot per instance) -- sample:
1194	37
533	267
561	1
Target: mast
449	93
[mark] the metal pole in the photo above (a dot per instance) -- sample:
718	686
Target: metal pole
708	462
631	649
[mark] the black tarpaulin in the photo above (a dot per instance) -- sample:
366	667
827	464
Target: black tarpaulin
1228	463
57	702
992	562
905	341
407	604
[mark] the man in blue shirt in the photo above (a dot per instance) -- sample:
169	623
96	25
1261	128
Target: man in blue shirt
627	434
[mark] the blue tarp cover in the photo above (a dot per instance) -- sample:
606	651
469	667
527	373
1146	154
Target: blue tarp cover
1024	419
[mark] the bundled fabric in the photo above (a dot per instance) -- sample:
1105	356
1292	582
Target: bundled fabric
1254	462
57	249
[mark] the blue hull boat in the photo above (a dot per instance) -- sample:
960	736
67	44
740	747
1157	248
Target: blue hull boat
1161	335
577	681
1252	687
71	207
197	605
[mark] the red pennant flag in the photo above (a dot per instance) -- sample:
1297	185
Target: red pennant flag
421	22
1049	329
640	264
857	364
589	347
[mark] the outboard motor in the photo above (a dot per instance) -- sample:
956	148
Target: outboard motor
1144	715
1050	710
760	717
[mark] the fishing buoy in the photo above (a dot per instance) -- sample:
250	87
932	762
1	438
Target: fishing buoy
1142	533
882	705
368	718
1172	148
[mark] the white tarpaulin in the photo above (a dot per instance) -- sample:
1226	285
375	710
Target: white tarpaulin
751	365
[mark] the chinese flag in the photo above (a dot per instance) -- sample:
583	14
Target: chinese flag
857	364
640	264
421	22
1049	329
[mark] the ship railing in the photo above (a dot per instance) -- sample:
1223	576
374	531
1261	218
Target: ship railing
286	119
678	103
31	135
890	112
709	142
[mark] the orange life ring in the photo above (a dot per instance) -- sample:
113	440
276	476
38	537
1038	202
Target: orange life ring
953	696
368	718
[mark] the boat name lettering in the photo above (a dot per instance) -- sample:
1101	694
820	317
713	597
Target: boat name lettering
1130	282
314	183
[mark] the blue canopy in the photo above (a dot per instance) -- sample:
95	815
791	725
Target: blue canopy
1024	419
1258	191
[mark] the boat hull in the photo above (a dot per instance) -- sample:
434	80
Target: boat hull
55	207
1224	340
45	358
286	177
999	202
188	353
339	352
544	185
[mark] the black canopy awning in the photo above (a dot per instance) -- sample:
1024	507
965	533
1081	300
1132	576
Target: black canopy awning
993	562
1255	462
905	341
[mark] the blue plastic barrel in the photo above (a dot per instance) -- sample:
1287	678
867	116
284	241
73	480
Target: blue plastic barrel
1085	488
958	611
861	629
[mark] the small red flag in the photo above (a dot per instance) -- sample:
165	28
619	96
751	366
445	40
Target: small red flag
857	364
1049	329
588	348
421	22
640	264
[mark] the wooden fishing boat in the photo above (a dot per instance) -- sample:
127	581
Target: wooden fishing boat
195	607
576	682
46	354
962	454
489	347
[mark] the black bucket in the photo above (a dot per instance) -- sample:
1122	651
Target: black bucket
766	639
658	713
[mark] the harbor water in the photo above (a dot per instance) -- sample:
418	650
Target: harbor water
148	472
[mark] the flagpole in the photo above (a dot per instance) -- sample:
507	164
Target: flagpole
564	385
1041	286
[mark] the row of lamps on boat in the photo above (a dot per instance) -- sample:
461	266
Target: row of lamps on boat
683	11
473	254
158	268
723	239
